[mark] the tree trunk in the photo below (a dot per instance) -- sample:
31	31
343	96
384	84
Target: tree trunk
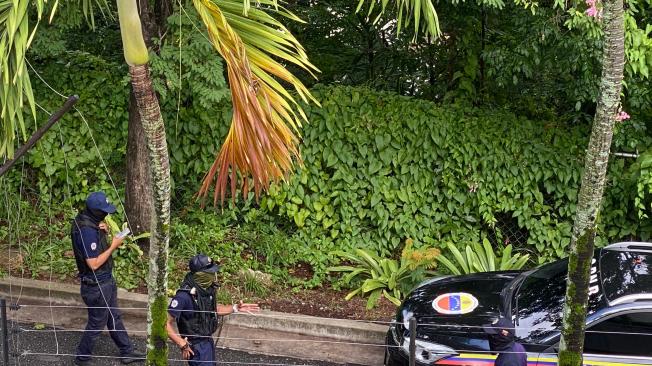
138	200
136	55
593	181
160	225
139	197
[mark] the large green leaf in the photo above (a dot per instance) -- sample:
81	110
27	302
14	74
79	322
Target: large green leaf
372	284
460	259
451	267
489	252
373	298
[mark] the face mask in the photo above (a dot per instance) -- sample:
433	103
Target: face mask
500	342
96	215
205	279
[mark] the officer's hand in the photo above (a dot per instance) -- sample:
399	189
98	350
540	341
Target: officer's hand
186	350
117	241
103	226
248	308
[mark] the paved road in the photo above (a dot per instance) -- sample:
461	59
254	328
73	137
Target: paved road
41	347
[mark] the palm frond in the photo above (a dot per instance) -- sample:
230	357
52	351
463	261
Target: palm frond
262	142
420	14
16	34
71	11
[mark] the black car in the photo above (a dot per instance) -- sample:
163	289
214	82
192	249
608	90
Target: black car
451	310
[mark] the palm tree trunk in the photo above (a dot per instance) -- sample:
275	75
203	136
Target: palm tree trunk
593	182
152	121
139	203
137	57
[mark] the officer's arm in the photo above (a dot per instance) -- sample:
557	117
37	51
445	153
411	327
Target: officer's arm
172	334
97	262
230	309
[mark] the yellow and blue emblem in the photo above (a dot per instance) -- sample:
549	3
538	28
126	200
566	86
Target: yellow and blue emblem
455	303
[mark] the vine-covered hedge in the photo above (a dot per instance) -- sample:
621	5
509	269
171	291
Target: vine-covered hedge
380	168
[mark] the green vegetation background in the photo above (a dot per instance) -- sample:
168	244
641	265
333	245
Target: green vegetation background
471	159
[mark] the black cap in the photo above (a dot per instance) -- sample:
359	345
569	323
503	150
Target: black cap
99	201
203	263
498	326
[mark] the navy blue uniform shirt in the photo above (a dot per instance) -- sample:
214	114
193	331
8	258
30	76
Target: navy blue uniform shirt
181	305
89	239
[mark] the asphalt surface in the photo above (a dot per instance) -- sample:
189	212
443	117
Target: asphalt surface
51	346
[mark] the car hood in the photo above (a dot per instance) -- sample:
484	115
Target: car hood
484	287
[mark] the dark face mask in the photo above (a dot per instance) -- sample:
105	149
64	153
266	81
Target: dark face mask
96	215
500	342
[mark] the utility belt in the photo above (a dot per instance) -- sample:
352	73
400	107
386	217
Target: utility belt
92	282
195	340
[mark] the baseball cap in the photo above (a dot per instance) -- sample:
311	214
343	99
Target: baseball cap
203	263
498	326
99	201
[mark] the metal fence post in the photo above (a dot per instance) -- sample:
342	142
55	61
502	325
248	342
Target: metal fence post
413	340
3	334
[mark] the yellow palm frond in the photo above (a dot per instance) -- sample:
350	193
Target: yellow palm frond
262	142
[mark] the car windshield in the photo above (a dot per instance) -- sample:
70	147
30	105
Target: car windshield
540	299
626	273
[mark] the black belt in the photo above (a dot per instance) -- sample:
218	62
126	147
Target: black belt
93	282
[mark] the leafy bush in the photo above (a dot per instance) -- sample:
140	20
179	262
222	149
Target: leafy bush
481	258
379	168
129	261
388	277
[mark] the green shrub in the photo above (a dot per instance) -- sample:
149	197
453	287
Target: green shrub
481	258
375	276
379	168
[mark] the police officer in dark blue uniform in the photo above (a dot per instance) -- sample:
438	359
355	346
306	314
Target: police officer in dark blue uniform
98	288
195	310
501	336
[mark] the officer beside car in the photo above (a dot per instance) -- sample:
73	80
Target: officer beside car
98	288
195	310
501	339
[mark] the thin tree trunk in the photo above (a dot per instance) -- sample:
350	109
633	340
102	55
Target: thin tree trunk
593	181
139	197
158	251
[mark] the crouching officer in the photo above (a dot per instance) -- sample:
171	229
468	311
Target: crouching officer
98	288
196	311
502	339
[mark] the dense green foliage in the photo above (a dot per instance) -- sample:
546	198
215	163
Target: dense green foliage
380	168
499	156
543	63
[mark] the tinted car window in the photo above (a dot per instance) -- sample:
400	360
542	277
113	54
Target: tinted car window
540	301
625	273
623	335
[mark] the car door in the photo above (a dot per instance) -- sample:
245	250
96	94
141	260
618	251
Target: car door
621	340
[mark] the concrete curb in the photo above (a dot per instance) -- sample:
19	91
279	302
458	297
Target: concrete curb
36	291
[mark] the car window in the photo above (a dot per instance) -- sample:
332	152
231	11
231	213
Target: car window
622	335
540	302
625	273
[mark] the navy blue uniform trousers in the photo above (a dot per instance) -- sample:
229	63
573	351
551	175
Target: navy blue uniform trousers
102	303
204	353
